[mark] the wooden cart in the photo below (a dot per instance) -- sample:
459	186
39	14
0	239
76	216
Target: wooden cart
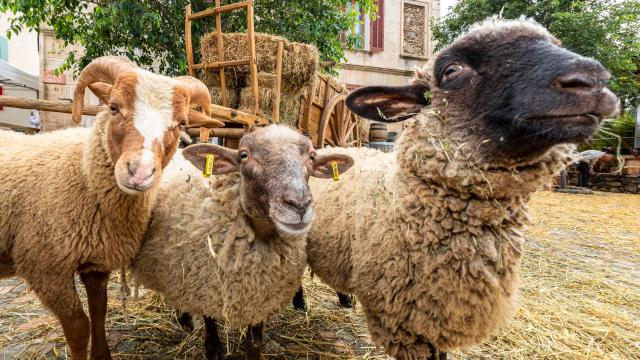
326	118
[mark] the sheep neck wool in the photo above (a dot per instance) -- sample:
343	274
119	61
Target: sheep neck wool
461	221
202	253
99	183
430	242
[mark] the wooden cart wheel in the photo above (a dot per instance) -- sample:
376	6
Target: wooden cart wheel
342	123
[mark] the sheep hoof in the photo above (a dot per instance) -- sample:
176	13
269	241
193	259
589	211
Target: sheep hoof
345	300
298	301
186	322
214	355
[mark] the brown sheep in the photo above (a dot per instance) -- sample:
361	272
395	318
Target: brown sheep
79	200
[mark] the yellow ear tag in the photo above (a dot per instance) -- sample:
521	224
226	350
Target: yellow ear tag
208	168
336	173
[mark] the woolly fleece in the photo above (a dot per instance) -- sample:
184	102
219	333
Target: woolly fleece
61	211
429	243
202	255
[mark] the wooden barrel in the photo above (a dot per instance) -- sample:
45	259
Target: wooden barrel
378	132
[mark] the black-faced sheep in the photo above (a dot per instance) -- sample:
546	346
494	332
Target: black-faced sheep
79	200
428	238
233	248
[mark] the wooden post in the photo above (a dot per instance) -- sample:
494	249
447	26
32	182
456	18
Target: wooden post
251	39
187	38
204	134
223	81
563	178
304	124
234	133
276	101
47	105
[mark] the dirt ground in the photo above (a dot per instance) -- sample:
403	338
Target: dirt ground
580	299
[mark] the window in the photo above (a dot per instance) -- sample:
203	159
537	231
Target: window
358	28
370	33
4	48
377	29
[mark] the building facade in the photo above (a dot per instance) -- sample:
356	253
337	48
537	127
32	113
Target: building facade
28	63
394	44
19	75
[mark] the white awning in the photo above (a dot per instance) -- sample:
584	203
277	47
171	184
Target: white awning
13	75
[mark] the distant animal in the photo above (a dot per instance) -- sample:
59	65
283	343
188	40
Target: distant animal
429	237
607	163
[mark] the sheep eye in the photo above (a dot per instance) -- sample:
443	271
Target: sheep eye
452	70
244	156
312	156
114	109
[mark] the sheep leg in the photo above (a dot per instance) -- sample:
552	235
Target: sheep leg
212	344
185	320
62	299
345	300
96	285
253	342
298	300
435	354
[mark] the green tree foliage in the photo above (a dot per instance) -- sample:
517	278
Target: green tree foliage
618	132
606	30
151	32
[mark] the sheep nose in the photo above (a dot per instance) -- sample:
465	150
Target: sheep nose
299	203
139	173
580	83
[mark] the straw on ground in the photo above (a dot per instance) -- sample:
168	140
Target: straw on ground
580	299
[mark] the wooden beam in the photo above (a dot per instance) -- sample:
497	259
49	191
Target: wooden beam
276	100
218	10
218	64
188	42
236	116
304	122
218	132
46	105
204	134
251	40
223	81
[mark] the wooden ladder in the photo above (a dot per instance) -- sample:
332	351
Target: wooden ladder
221	64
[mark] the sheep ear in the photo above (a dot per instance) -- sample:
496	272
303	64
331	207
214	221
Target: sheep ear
225	160
101	90
387	103
323	165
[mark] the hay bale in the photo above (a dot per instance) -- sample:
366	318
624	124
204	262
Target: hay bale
232	94
300	61
290	105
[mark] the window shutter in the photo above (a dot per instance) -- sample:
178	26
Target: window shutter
377	29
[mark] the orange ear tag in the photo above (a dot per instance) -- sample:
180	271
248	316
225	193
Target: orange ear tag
336	173
208	168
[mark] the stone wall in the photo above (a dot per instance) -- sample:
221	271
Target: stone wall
414	30
610	183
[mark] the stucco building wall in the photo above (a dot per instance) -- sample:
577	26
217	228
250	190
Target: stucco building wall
406	34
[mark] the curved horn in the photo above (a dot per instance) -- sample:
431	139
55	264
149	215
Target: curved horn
104	69
198	91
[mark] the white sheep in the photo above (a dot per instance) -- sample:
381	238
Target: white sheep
79	200
232	247
428	238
